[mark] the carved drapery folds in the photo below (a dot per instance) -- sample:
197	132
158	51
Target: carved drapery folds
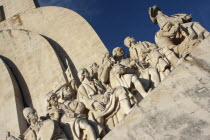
88	109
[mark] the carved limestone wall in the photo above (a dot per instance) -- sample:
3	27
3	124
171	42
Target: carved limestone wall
160	91
67	32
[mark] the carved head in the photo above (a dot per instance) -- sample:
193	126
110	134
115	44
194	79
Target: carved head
52	99
118	52
107	57
129	41
83	73
94	67
66	93
30	115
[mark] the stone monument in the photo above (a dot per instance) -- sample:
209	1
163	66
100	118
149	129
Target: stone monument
59	82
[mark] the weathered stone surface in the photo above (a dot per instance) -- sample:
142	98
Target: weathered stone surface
71	35
34	64
13	7
178	108
11	117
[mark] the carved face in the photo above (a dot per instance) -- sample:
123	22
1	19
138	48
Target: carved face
94	67
73	84
107	56
66	92
32	117
132	40
86	74
129	41
53	100
83	74
118	52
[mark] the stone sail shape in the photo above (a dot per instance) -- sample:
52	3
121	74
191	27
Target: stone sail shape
33	62
179	108
13	7
11	117
67	31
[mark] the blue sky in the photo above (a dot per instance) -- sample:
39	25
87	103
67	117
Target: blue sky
113	20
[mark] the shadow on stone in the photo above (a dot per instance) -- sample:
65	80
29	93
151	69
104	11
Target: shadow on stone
63	56
20	81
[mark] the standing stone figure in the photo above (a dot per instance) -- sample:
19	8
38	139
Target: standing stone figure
124	73
149	56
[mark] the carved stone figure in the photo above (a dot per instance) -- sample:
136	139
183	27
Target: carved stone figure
75	124
104	69
103	104
88	106
119	77
94	70
151	60
107	58
125	72
187	34
38	129
163	39
119	57
65	94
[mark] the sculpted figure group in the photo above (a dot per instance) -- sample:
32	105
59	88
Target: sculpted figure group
107	92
